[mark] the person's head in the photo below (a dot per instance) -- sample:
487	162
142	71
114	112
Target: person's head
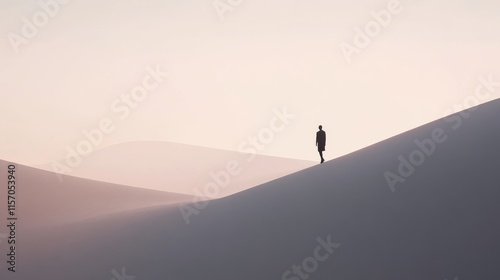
320	127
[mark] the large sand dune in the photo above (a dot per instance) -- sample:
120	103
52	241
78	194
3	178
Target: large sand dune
338	220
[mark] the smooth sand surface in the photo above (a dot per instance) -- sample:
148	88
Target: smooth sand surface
440	223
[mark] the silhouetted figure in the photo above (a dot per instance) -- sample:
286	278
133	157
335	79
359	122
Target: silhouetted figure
321	142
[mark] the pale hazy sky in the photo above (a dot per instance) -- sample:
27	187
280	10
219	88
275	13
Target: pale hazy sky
226	76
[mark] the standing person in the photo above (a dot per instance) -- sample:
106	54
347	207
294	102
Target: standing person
321	142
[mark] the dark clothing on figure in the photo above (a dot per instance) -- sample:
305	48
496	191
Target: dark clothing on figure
321	140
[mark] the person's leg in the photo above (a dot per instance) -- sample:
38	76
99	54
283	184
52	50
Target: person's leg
321	155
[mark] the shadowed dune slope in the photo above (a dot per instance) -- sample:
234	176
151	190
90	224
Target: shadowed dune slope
440	223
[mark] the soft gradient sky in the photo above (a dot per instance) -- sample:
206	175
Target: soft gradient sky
227	76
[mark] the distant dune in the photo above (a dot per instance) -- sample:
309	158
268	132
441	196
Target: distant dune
45	201
180	168
339	220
